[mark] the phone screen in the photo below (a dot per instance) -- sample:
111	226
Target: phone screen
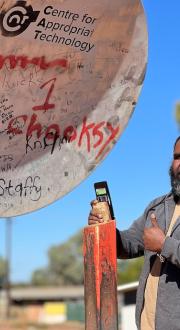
103	195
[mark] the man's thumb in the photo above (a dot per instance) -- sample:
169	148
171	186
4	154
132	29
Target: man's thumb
154	220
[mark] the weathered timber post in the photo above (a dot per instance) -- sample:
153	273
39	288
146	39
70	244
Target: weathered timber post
100	269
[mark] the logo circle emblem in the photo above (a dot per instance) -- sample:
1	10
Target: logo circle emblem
16	20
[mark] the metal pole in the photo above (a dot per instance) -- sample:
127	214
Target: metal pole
8	269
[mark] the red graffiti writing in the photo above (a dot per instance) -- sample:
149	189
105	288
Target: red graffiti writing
91	135
46	106
24	61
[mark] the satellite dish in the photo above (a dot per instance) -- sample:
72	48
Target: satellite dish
70	76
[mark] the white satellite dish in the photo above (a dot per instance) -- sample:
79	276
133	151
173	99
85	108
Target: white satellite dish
70	76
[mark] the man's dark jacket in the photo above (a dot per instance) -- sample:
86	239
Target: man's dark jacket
130	245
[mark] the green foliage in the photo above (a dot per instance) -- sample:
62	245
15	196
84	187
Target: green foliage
65	264
40	277
3	271
129	270
177	113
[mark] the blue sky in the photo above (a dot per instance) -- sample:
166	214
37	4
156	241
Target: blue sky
137	167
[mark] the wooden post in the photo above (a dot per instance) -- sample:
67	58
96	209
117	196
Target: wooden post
100	273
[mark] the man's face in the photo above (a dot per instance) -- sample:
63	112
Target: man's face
175	171
176	161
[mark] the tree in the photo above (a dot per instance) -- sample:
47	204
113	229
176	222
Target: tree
3	271
129	270
40	277
65	264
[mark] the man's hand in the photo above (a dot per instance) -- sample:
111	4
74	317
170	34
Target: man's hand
94	216
153	237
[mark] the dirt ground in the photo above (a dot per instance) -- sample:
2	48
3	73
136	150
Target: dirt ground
23	326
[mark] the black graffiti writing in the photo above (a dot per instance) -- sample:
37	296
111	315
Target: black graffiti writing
6	110
5	158
30	188
50	141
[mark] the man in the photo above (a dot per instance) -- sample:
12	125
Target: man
156	235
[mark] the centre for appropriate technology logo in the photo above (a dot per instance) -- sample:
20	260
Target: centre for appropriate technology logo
16	19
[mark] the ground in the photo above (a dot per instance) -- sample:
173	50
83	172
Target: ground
22	326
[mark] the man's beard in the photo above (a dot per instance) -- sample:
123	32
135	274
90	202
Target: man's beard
175	183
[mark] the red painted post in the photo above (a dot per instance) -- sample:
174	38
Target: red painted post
100	269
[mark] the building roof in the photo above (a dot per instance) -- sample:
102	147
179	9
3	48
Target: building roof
57	293
128	287
47	293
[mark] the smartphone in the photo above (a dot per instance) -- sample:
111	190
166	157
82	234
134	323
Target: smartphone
103	195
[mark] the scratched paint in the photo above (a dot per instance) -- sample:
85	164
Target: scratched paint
100	277
70	76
